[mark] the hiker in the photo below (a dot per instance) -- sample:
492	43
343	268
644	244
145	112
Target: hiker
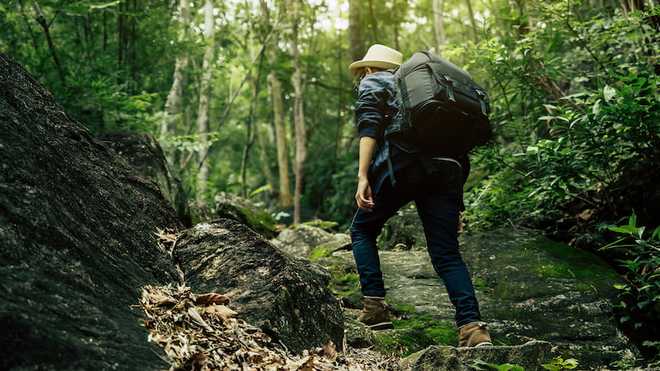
384	186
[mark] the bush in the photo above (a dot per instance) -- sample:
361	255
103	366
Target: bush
639	297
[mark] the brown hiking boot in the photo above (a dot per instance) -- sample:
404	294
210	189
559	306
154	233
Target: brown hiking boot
473	334
375	313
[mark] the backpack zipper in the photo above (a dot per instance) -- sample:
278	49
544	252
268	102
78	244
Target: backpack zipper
448	159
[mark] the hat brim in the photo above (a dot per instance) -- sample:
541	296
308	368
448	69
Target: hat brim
371	63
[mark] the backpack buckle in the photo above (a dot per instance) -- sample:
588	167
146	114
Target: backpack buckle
482	102
450	88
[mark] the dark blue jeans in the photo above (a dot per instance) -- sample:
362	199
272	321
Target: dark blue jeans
438	207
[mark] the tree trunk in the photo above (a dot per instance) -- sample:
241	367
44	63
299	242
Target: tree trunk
203	110
33	38
298	114
249	129
173	111
41	19
439	23
373	21
280	140
473	22
355	30
120	34
132	51
263	156
105	30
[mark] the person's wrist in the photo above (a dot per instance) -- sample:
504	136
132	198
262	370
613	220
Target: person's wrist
362	176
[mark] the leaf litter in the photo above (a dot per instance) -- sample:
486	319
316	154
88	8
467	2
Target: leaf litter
202	332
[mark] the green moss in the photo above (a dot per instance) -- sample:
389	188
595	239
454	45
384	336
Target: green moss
342	283
479	283
574	262
442	335
415	333
319	252
403	307
555	270
260	220
582	286
323	224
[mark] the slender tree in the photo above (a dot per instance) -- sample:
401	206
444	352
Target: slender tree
473	22
173	106
261	131
355	28
277	102
281	140
45	26
298	111
249	124
439	23
204	93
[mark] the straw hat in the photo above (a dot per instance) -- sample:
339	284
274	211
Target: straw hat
379	56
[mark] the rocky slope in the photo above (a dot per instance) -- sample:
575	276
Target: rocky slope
77	239
528	288
81	230
144	154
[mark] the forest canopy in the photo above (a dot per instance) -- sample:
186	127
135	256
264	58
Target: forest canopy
222	84
255	98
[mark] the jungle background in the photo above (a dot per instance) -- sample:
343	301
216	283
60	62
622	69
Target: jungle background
254	98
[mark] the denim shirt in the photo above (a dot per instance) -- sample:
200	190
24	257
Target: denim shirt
376	105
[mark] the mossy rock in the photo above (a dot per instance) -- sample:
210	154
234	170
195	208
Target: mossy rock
357	334
527	286
312	242
319	252
244	211
415	333
412	332
529	357
403	231
344	280
326	225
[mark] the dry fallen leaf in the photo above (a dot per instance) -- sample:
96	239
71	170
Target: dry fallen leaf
194	315
329	350
211	298
212	337
307	365
221	311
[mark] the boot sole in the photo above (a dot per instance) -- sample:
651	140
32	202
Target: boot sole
381	326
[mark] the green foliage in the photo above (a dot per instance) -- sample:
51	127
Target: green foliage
107	90
572	123
639	296
558	364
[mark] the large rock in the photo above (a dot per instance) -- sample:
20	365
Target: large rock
528	288
230	206
530	356
77	232
145	155
403	231
287	297
302	239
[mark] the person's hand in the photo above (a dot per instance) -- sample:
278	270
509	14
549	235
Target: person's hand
363	195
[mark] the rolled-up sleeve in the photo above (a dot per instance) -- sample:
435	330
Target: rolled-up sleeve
372	95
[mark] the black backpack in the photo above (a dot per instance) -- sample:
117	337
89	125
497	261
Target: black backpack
444	111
